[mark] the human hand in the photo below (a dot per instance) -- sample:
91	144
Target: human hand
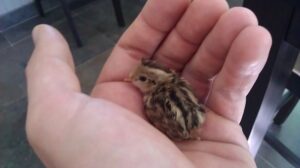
219	51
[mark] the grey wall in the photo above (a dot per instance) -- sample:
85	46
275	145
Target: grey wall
10	5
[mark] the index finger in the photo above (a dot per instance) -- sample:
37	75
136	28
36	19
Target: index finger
143	37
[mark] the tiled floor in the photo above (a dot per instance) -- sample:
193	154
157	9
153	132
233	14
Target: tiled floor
99	33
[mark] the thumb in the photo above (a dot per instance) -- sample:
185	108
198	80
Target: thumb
51	68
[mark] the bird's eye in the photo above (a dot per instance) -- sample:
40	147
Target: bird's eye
142	78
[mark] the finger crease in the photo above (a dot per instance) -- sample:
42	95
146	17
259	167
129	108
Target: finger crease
184	38
134	52
170	61
143	19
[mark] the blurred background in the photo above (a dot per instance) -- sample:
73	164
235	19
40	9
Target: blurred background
91	27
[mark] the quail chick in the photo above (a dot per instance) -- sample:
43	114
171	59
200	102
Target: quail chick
169	102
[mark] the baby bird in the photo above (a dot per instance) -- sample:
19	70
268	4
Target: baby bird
169	102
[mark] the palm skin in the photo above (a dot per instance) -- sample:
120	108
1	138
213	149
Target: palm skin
220	51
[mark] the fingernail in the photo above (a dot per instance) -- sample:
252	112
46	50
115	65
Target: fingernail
42	31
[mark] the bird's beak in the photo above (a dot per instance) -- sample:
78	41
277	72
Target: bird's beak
127	79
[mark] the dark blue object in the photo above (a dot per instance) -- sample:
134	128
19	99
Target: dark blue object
67	12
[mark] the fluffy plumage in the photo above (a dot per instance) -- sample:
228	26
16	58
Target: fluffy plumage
169	101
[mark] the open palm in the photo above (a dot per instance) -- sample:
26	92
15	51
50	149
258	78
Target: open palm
220	51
